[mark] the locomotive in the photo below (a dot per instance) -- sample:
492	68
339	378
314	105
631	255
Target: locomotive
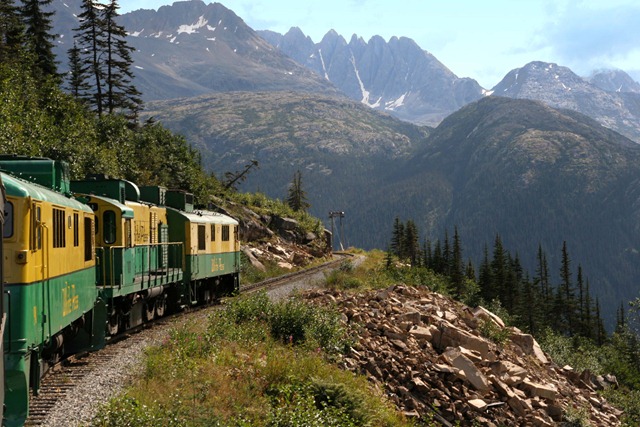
85	260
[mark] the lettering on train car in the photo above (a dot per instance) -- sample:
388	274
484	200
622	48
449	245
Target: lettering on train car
217	265
70	301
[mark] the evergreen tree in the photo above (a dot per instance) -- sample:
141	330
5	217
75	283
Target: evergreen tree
511	291
426	253
397	238
568	309
38	37
411	239
77	76
498	272
297	198
485	278
437	259
91	42
121	94
446	255
542	272
456	268
11	32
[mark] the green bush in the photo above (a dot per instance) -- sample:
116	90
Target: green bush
309	405
127	411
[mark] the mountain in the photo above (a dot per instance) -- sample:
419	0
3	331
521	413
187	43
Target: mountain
560	87
341	146
398	77
518	168
534	175
192	48
614	81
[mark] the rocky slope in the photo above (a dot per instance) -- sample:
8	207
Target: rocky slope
429	354
275	240
396	76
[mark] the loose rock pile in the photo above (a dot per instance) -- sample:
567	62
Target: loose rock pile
427	353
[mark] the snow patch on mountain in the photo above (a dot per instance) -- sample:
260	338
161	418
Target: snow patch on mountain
324	68
363	90
392	105
193	28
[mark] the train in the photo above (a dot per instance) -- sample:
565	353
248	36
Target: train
84	260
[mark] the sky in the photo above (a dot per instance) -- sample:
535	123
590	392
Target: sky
481	39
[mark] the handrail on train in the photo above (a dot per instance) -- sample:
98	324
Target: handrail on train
110	281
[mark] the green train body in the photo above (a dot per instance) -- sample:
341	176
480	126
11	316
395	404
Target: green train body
95	260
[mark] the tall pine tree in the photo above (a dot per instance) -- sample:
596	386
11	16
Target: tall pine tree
90	39
121	94
106	60
38	37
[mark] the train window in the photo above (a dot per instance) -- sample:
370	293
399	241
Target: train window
76	229
225	233
7	230
202	243
213	232
109	227
59	236
88	240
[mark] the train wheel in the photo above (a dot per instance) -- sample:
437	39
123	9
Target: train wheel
150	310
114	323
161	305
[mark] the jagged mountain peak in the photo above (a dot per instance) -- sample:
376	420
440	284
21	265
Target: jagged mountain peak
332	37
396	76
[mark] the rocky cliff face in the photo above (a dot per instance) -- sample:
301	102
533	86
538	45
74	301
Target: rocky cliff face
429	354
559	87
398	77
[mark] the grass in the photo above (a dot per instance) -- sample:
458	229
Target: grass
254	363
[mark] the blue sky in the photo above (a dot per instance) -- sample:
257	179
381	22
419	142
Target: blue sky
479	39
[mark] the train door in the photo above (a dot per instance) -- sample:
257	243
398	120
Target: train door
37	265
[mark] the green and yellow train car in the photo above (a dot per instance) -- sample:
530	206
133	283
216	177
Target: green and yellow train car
138	268
212	249
49	274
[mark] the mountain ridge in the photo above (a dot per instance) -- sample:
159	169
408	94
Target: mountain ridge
398	77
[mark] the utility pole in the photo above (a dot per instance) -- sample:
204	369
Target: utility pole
332	215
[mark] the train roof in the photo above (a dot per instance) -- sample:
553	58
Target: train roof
125	210
20	188
204	217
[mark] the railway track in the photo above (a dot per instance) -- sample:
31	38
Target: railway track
67	375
